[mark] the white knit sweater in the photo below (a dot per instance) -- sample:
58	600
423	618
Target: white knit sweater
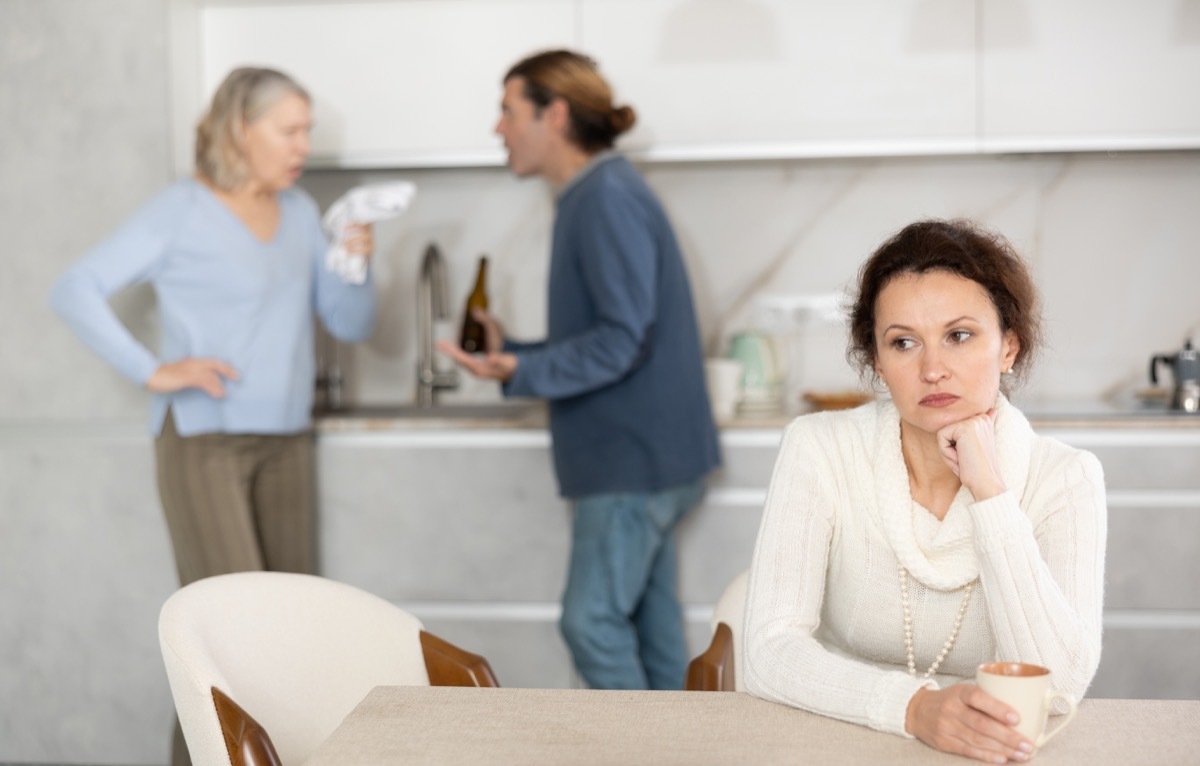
824	628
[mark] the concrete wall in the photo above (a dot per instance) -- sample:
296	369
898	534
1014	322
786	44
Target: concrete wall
84	558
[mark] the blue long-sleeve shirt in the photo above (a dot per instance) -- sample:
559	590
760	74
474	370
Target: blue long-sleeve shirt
621	365
223	294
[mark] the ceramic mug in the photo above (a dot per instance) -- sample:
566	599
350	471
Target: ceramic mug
1025	688
724	380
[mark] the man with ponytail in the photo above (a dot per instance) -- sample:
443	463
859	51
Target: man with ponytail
621	367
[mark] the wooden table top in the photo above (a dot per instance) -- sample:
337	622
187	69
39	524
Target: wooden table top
432	725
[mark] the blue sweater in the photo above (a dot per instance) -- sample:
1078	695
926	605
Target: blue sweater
222	293
621	365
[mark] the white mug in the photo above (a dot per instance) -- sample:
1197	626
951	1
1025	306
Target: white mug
1026	688
724	380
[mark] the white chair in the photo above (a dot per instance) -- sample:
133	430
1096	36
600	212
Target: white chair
719	668
294	653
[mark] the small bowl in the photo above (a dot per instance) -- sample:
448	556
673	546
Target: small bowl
835	400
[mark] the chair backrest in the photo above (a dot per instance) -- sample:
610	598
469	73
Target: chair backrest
730	609
296	652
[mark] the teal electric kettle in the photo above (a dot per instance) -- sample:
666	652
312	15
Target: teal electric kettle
762	372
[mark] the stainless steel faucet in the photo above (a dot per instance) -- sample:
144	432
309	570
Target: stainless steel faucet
431	305
327	395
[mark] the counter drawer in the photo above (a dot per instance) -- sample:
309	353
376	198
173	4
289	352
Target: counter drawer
1149	663
745	466
716	542
420	523
1147	466
1152	561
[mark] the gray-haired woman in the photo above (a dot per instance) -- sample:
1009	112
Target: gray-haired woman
235	257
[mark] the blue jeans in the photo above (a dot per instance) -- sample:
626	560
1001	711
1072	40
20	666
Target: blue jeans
621	617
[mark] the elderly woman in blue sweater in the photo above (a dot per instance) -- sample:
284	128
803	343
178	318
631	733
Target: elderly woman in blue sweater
235	258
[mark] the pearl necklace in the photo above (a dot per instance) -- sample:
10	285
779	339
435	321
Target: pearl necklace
908	631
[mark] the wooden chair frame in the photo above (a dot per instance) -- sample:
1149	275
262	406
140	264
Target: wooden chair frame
713	671
246	740
449	665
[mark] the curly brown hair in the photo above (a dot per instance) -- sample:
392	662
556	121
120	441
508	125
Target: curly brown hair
957	247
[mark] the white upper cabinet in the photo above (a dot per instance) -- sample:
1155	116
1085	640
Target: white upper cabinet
416	83
1107	74
785	78
402	83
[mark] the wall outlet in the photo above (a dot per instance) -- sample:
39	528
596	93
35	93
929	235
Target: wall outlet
781	313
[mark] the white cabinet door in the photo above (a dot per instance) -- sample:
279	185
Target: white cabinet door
1109	74
394	83
783	78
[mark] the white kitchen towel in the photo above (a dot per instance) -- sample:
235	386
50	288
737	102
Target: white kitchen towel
362	204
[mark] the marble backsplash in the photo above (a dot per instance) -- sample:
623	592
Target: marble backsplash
1110	238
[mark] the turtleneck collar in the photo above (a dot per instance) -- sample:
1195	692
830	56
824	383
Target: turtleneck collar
940	554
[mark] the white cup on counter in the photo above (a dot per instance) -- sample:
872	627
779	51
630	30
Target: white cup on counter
724	380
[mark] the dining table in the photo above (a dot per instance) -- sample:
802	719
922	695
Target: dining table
564	727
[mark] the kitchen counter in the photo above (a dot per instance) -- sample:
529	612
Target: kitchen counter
530	416
1125	414
481	415
524	415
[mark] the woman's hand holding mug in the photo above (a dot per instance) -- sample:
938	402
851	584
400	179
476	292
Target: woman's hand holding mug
1026	688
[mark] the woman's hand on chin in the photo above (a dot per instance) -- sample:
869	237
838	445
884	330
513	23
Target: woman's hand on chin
965	720
969	448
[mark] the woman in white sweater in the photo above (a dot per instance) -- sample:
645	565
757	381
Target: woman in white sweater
906	542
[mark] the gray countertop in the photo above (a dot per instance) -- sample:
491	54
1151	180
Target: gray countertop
1128	413
1118	412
